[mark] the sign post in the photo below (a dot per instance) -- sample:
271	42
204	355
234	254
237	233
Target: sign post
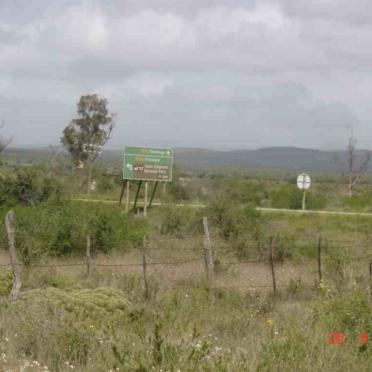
303	183
148	164
145	164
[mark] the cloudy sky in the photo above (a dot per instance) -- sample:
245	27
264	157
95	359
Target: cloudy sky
201	73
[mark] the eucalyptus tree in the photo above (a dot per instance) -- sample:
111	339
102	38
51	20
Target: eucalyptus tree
85	136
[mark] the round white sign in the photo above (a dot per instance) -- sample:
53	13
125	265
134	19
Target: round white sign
303	181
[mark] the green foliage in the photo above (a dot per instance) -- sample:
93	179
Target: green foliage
284	245
335	266
6	282
28	187
178	221
358	201
351	312
243	225
92	127
253	192
57	229
290	197
70	323
287	352
178	192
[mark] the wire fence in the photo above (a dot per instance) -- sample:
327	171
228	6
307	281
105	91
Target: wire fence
212	261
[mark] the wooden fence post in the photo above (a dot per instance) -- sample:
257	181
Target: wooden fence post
145	202
127	197
208	257
319	256
16	289
144	265
370	277
88	257
271	243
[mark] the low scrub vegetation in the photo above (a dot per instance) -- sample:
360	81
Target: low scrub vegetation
65	319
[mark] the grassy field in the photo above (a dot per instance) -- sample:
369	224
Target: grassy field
65	321
110	321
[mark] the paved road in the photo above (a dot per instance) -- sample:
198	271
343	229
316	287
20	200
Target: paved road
295	211
268	210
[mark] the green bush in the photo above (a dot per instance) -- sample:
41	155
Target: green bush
6	282
179	221
28	187
178	192
61	228
70	323
360	201
351	312
243	225
284	245
290	197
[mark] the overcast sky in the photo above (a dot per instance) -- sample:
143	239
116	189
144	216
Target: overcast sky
196	73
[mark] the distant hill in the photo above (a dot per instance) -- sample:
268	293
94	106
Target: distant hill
283	158
271	157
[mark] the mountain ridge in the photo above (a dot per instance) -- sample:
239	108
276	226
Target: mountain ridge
274	157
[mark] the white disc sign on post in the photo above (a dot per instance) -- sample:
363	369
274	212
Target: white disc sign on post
303	183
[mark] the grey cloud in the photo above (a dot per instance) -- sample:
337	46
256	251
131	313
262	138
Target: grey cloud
181	7
270	116
215	73
356	12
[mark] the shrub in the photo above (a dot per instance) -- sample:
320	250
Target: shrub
28	187
283	246
361	201
60	228
290	197
351	312
243	225
177	221
70	323
6	282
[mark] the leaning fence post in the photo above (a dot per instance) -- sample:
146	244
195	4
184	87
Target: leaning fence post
144	265
271	259
319	255
16	289
88	256
208	257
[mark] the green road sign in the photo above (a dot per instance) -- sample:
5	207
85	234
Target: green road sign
148	164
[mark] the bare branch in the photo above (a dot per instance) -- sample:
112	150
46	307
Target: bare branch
355	171
4	143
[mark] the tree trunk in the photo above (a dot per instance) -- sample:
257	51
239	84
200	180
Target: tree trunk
90	166
16	289
350	187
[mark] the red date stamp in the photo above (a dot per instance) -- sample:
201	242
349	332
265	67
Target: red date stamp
338	338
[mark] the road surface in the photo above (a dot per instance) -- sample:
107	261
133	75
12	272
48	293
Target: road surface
264	210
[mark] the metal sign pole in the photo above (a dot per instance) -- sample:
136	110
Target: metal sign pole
303	183
137	193
122	191
153	193
127	198
304	199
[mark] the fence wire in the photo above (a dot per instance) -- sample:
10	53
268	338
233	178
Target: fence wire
224	260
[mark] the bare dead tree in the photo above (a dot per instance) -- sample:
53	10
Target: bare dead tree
355	167
4	142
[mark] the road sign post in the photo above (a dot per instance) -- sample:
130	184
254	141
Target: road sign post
303	183
145	164
148	164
